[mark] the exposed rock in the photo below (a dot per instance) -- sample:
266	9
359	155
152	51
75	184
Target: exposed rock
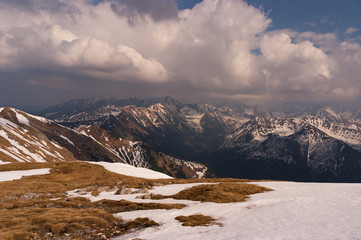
29	195
145	196
142	190
123	191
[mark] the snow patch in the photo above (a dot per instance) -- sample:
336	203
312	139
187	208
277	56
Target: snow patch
13	175
4	122
67	139
41	119
129	170
21	118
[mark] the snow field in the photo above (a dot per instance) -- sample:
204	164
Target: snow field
13	175
293	211
125	169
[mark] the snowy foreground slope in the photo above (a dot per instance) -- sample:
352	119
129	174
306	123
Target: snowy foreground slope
292	211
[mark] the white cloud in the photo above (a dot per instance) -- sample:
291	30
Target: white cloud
50	46
291	67
351	30
209	49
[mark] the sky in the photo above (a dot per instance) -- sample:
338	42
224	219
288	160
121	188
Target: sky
279	52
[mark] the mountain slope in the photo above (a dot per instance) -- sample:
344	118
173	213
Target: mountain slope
293	149
140	154
27	138
32	139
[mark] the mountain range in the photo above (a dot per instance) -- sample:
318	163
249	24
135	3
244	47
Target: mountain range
188	140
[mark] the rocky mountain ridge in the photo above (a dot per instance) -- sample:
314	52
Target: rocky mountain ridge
318	144
28	138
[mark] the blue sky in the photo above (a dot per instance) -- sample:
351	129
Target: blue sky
254	51
320	16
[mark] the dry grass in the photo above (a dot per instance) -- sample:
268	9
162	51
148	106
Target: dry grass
79	217
67	176
205	180
111	206
197	220
20	223
75	216
140	223
25	166
55	222
218	193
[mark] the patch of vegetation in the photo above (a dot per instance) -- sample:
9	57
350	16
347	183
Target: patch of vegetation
75	217
111	206
25	166
66	176
27	206
59	222
204	180
218	193
52	222
140	223
197	220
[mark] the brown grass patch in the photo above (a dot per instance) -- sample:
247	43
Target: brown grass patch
75	216
67	176
78	217
140	223
21	223
205	180
218	193
20	217
25	166
197	220
111	206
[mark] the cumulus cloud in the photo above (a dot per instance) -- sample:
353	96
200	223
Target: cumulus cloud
292	68
218	49
47	46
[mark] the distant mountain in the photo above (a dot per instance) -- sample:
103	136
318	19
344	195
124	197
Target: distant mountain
28	138
308	144
61	111
330	115
307	149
